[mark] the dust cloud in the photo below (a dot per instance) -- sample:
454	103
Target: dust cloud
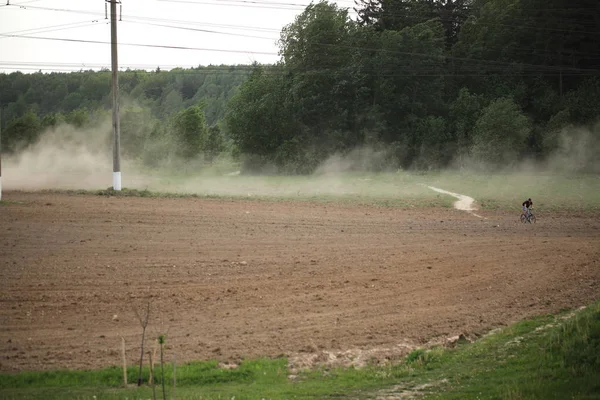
67	158
64	157
576	150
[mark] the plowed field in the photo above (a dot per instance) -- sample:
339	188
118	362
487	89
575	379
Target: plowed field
229	280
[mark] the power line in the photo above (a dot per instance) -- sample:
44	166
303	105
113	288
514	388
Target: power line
141	45
250	4
202	30
154	19
439	57
226	3
259	5
375	74
232	27
444	57
541	28
238	27
51	28
275	70
18	4
248	27
57	9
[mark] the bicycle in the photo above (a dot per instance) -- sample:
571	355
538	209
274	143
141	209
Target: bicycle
530	217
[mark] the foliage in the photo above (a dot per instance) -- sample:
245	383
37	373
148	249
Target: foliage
426	80
215	143
577	343
499	134
191	132
21	131
549	357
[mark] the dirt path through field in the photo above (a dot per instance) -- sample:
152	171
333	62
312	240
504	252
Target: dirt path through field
241	279
464	203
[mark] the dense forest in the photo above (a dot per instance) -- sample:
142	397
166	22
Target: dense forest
425	83
164	113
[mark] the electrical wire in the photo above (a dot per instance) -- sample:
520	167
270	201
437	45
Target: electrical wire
163	20
247	3
391	14
201	30
222	25
225	2
139	45
441	57
18	4
244	73
275	70
53	28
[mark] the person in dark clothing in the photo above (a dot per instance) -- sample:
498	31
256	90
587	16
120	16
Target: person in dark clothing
527	204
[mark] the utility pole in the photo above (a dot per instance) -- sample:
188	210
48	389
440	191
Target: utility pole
116	124
0	152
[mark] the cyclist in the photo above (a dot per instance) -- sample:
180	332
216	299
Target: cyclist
527	204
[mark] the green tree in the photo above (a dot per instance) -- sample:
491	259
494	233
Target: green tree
172	103
215	143
158	146
500	134
409	89
78	117
22	131
191	132
436	145
317	57
463	114
553	130
52	120
399	14
137	125
584	102
259	117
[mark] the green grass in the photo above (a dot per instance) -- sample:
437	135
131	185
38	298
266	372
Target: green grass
551	193
548	357
507	191
8	202
530	360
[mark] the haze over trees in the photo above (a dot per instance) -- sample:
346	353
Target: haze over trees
157	107
427	83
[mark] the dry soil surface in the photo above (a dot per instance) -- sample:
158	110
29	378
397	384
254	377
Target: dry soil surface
229	280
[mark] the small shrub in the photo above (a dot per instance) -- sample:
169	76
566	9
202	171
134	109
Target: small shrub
578	343
417	355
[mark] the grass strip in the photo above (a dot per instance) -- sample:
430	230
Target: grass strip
548	357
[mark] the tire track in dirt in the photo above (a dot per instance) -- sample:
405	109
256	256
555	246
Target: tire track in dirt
464	203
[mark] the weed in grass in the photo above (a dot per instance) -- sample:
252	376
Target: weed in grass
416	355
577	343
9	202
143	320
161	340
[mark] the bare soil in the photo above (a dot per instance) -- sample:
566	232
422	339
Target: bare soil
230	280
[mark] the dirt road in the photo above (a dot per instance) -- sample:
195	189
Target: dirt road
229	280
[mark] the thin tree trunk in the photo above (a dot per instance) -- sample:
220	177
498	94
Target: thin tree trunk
162	369
174	375
124	361
141	356
151	379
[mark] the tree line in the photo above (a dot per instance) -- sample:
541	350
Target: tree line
164	114
432	82
428	83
